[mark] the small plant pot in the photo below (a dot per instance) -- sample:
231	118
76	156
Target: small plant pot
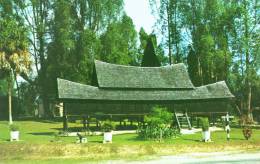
14	135
107	137
206	136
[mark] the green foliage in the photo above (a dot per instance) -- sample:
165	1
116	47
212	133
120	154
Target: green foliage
159	117
14	55
64	38
119	43
107	126
204	123
150	59
219	39
157	125
3	87
14	127
169	23
156	133
28	96
158	49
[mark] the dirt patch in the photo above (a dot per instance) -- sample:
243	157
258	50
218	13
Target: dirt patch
107	151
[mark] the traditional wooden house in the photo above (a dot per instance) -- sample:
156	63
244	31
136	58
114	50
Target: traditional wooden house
137	86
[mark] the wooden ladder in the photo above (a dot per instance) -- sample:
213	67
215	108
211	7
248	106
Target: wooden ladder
182	119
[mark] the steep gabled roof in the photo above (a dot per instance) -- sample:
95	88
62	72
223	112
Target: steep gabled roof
75	91
120	76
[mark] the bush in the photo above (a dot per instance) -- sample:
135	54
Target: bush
157	125
246	123
247	132
204	123
156	133
107	126
159	116
14	127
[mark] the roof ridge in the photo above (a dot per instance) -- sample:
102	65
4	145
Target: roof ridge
129	66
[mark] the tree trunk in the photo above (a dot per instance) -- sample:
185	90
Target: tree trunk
249	111
247	80
41	19
177	58
10	101
169	36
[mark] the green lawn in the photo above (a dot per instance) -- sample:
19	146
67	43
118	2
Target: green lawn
38	142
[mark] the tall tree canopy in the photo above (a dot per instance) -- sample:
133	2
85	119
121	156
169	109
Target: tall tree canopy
119	43
158	49
64	38
169	24
150	59
218	39
14	53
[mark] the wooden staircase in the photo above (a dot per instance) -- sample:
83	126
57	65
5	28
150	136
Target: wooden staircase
182	120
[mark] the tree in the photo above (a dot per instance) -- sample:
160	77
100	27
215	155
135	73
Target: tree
37	16
169	22
60	50
119	43
158	49
87	19
91	20
248	38
150	59
96	15
245	47
14	55
210	25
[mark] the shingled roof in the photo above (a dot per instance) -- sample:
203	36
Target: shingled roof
127	77
72	90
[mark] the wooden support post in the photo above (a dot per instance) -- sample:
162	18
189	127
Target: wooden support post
97	123
84	122
124	122
191	120
213	119
65	118
198	122
88	119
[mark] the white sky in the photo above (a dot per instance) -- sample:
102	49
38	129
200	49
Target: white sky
140	13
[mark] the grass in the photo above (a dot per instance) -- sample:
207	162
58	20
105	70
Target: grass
38	143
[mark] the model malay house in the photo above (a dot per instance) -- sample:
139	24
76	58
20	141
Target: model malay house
131	85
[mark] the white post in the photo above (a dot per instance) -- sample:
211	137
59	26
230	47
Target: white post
227	128
227	117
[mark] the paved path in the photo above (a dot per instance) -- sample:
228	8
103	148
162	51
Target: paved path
202	158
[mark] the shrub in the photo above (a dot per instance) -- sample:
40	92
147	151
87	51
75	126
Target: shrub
159	116
157	125
14	127
204	123
247	132
107	126
246	123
